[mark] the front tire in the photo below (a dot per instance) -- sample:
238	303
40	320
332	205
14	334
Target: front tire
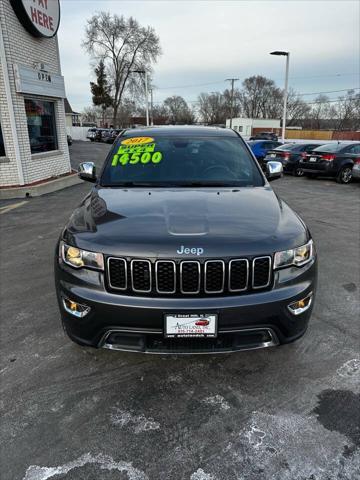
345	175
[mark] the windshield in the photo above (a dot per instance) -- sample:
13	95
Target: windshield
329	147
288	146
180	161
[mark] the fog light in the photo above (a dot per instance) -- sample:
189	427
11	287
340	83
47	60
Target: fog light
75	308
300	306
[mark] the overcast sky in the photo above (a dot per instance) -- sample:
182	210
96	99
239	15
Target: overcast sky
205	42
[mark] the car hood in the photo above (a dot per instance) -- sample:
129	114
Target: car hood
155	223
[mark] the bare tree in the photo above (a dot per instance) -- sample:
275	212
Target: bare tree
297	109
348	112
124	45
178	110
260	98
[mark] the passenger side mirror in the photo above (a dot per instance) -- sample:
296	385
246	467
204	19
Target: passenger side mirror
87	171
274	170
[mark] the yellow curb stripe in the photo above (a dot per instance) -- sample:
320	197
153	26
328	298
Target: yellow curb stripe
8	208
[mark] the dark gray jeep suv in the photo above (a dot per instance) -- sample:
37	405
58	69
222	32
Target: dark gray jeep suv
183	247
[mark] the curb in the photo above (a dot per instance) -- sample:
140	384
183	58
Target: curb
41	189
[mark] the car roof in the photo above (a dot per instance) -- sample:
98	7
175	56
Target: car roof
183	130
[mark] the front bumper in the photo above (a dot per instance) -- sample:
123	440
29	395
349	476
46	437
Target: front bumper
135	323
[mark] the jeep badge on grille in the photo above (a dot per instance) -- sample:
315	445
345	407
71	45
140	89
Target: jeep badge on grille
190	251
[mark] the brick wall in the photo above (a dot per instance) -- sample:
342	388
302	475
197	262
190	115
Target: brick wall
24	49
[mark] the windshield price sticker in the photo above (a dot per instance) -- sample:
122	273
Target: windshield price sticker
136	148
137	141
135	158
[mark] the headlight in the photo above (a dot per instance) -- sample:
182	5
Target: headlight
297	256
77	258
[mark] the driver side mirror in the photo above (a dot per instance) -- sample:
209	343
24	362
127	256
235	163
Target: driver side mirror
274	170
87	171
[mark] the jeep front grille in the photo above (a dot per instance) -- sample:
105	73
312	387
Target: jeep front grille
188	277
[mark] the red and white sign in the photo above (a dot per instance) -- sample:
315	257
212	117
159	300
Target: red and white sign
39	17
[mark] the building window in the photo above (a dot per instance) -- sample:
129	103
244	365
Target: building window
41	125
2	146
240	128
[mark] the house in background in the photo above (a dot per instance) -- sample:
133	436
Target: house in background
250	126
72	118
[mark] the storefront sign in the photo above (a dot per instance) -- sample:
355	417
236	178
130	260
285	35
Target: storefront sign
38	82
41	18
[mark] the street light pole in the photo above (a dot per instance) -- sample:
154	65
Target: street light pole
146	99
232	80
287	54
146	93
151	106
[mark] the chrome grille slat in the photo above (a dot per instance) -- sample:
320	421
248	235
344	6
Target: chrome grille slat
235	267
259	267
166	276
188	277
135	265
208	276
114	263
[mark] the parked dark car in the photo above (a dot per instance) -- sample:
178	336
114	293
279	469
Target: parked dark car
112	134
290	155
260	149
182	246
265	136
91	133
69	140
101	134
332	160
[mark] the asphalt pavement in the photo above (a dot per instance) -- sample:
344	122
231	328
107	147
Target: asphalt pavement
287	413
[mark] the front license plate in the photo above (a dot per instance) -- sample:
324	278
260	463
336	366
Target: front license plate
191	325
312	159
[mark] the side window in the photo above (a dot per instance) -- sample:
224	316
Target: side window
356	149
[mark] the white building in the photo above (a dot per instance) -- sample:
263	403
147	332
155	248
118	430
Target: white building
250	126
33	146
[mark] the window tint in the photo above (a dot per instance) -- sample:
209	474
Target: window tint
2	146
353	149
181	160
329	147
41	125
310	148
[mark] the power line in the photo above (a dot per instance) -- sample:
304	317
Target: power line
223	81
329	91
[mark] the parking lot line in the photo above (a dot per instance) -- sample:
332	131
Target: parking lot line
8	208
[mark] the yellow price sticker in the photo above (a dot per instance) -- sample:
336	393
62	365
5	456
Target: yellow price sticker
137	141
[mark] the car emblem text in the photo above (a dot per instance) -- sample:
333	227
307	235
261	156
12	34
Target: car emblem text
190	251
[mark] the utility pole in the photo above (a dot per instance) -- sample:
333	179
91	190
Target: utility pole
232	80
